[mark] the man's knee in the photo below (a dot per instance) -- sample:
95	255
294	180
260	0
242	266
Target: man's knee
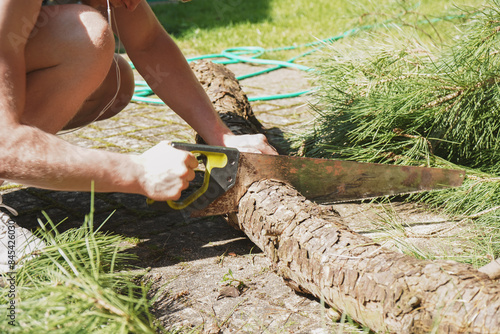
112	96
96	29
68	54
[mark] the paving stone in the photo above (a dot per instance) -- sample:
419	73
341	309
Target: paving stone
190	256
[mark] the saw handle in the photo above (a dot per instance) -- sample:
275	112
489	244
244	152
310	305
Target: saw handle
214	160
220	175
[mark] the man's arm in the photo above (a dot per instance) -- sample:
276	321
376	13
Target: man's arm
161	63
33	157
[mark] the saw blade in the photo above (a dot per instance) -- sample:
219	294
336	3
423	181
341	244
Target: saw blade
332	181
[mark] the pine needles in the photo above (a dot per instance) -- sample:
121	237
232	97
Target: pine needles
78	284
420	105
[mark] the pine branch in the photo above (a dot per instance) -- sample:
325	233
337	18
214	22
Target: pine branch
440	108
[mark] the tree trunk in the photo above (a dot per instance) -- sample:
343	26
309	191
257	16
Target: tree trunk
385	290
382	289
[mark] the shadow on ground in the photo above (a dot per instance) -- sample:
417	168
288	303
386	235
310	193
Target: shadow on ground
164	238
189	259
181	18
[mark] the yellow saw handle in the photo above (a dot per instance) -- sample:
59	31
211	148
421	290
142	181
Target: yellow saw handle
214	160
220	175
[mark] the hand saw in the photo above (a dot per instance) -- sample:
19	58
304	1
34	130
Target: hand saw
229	173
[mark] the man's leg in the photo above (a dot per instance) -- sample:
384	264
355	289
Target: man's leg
70	78
96	107
70	73
70	70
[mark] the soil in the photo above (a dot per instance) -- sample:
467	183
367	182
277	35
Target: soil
205	276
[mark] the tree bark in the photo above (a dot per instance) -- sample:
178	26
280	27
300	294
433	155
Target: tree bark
382	289
385	290
227	97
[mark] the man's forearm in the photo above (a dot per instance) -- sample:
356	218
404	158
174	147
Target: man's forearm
167	72
32	157
161	63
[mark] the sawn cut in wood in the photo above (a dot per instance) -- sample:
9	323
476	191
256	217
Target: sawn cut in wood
382	289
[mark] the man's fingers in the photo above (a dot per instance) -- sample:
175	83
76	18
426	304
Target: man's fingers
268	149
191	161
167	171
265	147
248	150
255	143
190	176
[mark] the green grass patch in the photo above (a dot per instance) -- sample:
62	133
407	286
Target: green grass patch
205	27
79	283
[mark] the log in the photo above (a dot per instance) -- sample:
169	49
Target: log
227	97
380	288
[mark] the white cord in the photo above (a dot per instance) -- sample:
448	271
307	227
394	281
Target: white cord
118	74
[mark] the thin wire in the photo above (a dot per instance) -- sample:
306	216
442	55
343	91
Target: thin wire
118	73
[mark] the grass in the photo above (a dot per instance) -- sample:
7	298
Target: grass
205	27
79	283
374	73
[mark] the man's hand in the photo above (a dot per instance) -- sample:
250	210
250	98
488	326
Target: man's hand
167	171
250	143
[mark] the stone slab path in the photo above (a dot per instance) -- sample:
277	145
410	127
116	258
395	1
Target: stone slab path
191	261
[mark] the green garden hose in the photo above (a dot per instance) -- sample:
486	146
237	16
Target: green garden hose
250	54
